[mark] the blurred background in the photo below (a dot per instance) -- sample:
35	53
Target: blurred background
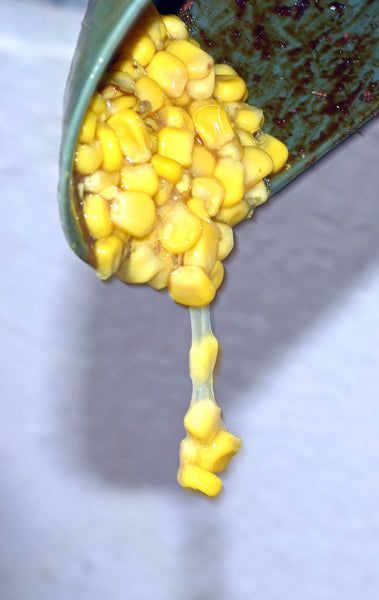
94	381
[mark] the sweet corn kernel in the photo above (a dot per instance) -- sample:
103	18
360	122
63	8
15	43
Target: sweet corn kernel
203	418
217	274
216	456
257	194
97	217
97	104
111	91
211	191
233	215
203	161
231	174
176	29
122	80
275	148
163	194
175	116
257	163
177	144
131	67
100	180
204	252
226	243
108	252
197	206
189	285
184	184
133	212
121	102
189	451
225	69
199	89
132	134
245	138
109	192
203	356
112	155
183	100
194	42
167	168
229	88
197	62
143	50
169	72
211	122
140	265
190	476
249	118
149	91
88	157
140	178
88	128
232	149
179	230
160	280
155	28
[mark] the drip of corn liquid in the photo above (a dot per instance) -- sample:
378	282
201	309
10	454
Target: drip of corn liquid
170	157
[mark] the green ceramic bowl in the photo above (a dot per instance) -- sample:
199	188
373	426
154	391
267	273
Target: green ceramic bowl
312	66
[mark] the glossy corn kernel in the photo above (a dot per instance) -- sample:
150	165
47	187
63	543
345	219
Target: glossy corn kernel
204	252
189	285
229	88
132	134
203	418
108	253
184	184
143	50
167	168
156	30
121	102
140	265
160	280
225	69
257	163
98	181
97	104
189	451
197	206
97	217
231	174
257	194
150	91
176	144
275	148
175	116
88	128
139	178
88	157
226	242
203	356
249	118
169	72
190	476
133	212
211	122
211	191
232	149
112	155
176	29
179	230
131	67
123	81
163	194
233	215
217	274
203	161
197	62
199	89
183	100
246	139
216	456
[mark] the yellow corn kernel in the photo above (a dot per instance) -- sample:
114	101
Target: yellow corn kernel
143	50
151	124
100	180
163	194
96	216
110	91
132	134
203	161
148	90
140	178
88	128
226	243
224	69
183	100
203	356
155	28
232	149
211	123
184	184
189	285
275	148
189	451
197	206
233	215
229	88
216	456
109	192
211	191
133	212
179	229
249	118
121	102
175	116
175	27
177	144
203	418
231	174
160	280
204	252
257	163
217	274
257	194
202	88
122	80
97	104
141	263
108	255
245	138
198	62
167	168
129	66
112	155
190	476
169	72
88	157
194	42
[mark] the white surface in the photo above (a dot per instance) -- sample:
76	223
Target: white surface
94	382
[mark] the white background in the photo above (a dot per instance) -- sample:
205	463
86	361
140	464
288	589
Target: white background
94	381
